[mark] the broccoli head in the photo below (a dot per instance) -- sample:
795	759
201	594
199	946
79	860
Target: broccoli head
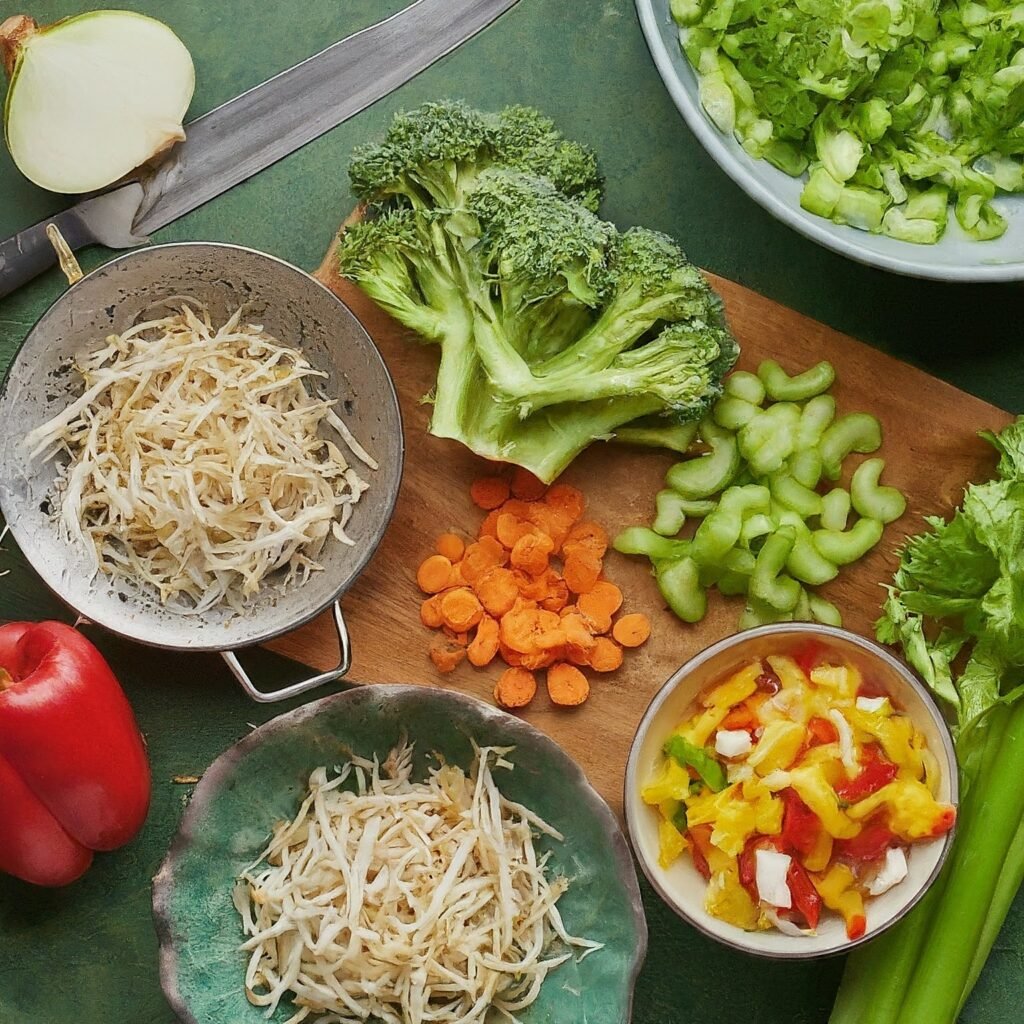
555	330
431	156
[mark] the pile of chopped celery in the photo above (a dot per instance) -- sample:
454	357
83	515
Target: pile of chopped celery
774	518
896	108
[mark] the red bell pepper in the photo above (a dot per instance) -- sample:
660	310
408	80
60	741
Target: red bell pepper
821	731
805	897
800	825
869	844
74	777
876	773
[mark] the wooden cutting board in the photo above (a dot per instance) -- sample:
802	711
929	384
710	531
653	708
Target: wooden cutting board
930	447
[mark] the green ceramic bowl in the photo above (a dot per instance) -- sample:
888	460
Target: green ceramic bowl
259	781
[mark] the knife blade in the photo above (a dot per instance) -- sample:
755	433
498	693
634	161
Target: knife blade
251	132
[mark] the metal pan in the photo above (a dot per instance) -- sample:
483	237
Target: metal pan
294	308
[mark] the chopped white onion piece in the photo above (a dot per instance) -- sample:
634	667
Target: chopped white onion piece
733	742
771	868
892	872
871	704
847	750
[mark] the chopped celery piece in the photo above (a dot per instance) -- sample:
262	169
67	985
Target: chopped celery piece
835	509
748	386
845	546
671	517
769	584
872	500
805	466
770	437
815	418
638	540
857	432
783	388
787	490
706	474
731	413
679	583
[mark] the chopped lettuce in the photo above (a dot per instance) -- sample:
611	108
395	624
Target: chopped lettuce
898	108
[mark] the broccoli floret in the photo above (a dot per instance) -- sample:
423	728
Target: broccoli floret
555	330
654	281
432	156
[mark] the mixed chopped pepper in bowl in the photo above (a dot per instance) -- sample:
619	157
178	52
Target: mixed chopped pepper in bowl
791	791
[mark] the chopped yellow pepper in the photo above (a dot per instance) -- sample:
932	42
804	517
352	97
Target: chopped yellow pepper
821	852
813	787
671	783
778	746
913	812
727	900
837	892
671	843
844	680
895	734
719	702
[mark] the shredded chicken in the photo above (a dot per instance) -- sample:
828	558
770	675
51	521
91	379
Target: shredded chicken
195	463
404	902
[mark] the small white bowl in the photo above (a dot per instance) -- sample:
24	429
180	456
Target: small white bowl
682	887
955	257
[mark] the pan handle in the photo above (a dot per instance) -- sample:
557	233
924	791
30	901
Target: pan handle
263	697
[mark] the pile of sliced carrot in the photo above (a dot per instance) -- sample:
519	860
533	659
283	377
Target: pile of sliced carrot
529	590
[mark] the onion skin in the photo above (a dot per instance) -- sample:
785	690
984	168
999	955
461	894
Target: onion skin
15	32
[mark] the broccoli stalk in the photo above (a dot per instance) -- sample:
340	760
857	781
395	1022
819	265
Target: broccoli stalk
555	330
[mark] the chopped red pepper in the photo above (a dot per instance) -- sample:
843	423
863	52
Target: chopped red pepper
809	656
869	844
700	848
740	717
856	926
768	681
805	897
800	825
821	731
73	768
875	774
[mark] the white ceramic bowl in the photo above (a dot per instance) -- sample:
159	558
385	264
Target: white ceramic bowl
681	886
954	258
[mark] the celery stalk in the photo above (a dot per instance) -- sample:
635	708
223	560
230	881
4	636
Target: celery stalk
939	984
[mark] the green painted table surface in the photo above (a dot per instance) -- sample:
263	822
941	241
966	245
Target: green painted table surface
88	953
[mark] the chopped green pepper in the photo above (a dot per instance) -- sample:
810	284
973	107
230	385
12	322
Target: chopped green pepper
689	755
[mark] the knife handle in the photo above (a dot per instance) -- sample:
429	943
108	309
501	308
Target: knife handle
28	253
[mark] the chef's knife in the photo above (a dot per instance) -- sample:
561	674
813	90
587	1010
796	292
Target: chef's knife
258	128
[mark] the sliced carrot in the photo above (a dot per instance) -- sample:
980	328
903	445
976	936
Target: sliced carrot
430	612
511	528
567	498
596	623
459	639
434	574
489	492
446	657
489	526
512	658
522	626
567	685
484	645
480	556
515	688
526	486
576	632
494	548
586	537
451	546
517	507
497	590
457	579
556	524
606	655
576	655
551	639
557	592
581	572
460	609
632	630
530	553
540	659
603	599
